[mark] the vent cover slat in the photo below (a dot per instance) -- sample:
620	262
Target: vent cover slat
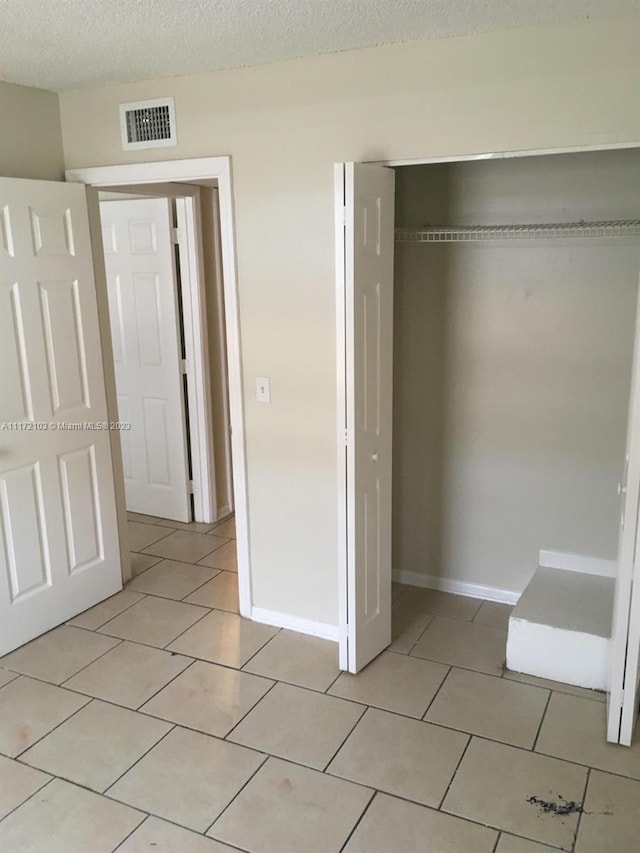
148	124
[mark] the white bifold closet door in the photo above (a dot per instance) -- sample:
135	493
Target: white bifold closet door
59	549
624	692
144	309
364	253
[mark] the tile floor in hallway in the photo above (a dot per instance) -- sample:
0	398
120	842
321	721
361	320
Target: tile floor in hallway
160	720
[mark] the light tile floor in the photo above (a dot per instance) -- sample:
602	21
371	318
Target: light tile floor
160	720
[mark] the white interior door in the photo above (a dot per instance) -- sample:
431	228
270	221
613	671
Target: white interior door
365	237
625	643
59	549
143	303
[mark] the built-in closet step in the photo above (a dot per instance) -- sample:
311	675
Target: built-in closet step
561	628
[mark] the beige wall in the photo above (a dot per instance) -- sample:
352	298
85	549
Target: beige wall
30	135
512	366
285	124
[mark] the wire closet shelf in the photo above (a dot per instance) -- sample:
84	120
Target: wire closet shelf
533	231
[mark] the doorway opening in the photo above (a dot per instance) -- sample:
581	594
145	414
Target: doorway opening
201	192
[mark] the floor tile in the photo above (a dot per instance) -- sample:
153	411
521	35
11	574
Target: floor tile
611	821
97	745
29	709
559	686
225	557
298	659
188	778
226	528
511	844
17	784
106	610
83	822
297	724
142	535
154	621
59	654
494	614
407	626
209	698
494	785
405	757
441	603
575	729
221	593
129	675
395	825
463	644
491	707
299	809
171	579
394	682
6	676
142	562
224	638
158	836
184	546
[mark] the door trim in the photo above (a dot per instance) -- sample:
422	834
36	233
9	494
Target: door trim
205	169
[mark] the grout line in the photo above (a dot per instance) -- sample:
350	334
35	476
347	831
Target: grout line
128	607
129	834
455	773
332	684
542	719
584	800
347	736
31	795
237	794
257	652
160	689
244	716
18	755
436	694
204	583
373	796
172	728
497	842
95	660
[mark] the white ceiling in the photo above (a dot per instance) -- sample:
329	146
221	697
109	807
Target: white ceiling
62	44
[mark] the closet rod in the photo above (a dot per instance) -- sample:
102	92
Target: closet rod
533	231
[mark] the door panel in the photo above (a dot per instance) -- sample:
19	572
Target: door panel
623	689
368	338
143	306
59	550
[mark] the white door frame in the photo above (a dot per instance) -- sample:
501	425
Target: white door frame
204	169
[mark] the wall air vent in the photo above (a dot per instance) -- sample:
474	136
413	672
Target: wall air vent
148	124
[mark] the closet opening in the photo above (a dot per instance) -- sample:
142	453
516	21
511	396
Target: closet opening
515	297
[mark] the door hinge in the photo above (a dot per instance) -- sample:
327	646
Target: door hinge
190	487
183	366
346	437
175	235
344	215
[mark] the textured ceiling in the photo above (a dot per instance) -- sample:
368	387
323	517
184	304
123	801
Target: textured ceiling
62	44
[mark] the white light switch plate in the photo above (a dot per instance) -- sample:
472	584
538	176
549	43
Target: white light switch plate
263	389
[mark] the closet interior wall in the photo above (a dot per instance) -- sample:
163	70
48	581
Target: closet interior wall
512	366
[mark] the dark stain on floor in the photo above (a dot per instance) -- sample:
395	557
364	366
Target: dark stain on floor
559	809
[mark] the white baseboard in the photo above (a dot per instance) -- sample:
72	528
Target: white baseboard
472	590
293	623
578	563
